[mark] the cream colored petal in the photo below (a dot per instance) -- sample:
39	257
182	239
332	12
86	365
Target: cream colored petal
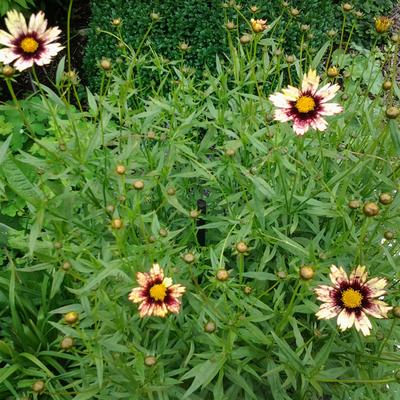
157	271
310	81
50	35
50	50
359	273
281	115
174	307
167	282
7	56
376	287
345	319
142	278
291	93
279	100
146	309
363	324
37	23
300	127
22	64
327	92
330	109
378	309
319	124
327	311
136	295
337	275
16	23
324	293
177	290
160	310
5	38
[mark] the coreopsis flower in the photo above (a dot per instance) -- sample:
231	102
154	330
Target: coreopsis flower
382	24
258	25
352	298
28	44
156	294
306	106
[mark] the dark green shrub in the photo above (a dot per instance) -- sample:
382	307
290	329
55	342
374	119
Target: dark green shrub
201	24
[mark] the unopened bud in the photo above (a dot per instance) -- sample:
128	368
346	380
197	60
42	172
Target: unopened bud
354	204
188	258
241	247
120	169
370	209
150	361
222	275
67	343
385	198
332	72
210	327
71	317
347	7
138	185
38	386
8	71
392	112
105	64
306	272
155	16
116	223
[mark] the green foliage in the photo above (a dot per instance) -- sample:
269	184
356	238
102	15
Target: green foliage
285	196
7	5
201	25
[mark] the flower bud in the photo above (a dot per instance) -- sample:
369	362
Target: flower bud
184	46
230	152
385	198
304	28
122	198
151	135
189	258
354	204
110	208
245	39
290	59
138	185
332	72
116	223
38	386
120	169
396	311
395	38
152	239
210	327
306	272
331	33
382	24
281	274
171	191
66	266
253	9
67	343
150	361
370	209
116	22
241	247
8	71
163	232
347	7
392	112
62	146
194	214
71	317
388	235
294	12
230	25
222	275
105	64
247	289
155	16
58	245
358	14
387	85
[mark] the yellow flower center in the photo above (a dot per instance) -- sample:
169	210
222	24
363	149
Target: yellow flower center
352	298
158	292
305	104
29	45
